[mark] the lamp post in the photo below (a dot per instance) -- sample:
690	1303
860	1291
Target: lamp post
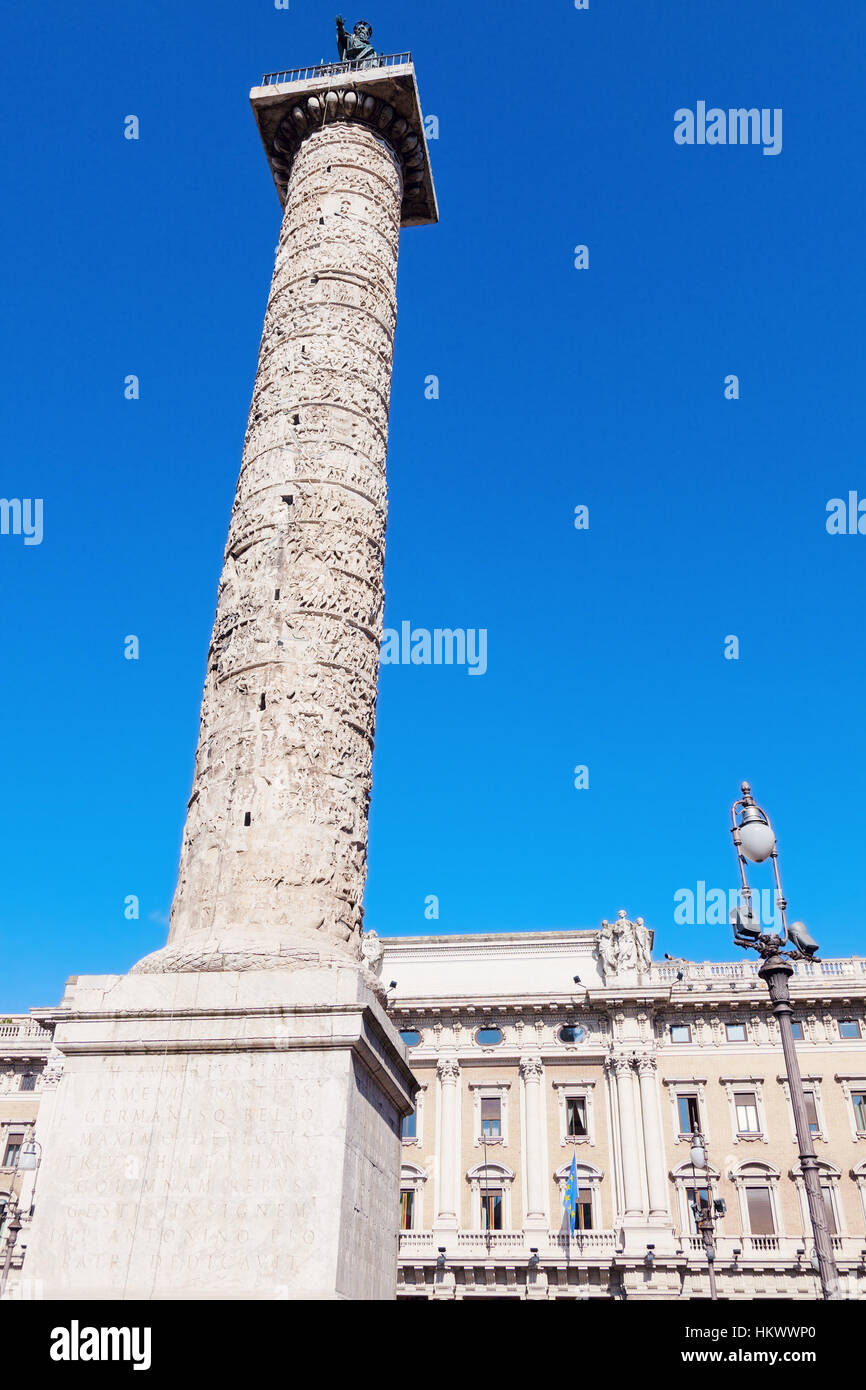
29	1160
754	840
704	1212
13	1226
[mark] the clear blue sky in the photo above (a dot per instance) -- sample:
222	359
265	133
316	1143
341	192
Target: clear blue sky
558	387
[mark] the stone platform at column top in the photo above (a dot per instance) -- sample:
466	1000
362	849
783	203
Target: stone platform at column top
384	98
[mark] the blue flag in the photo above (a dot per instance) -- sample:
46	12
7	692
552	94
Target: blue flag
569	1201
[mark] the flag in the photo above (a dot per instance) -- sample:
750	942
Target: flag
569	1200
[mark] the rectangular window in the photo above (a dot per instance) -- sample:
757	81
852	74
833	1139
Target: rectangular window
681	1033
491	1117
491	1211
797	1030
583	1215
747	1113
408	1130
690	1118
811	1112
760	1209
696	1196
736	1032
13	1149
827	1192
407	1208
849	1028
576	1113
28	1081
859	1100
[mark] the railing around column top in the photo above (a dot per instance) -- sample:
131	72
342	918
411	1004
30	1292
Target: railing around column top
386	60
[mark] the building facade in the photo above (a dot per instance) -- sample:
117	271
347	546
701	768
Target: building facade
535	1048
532	1049
28	1066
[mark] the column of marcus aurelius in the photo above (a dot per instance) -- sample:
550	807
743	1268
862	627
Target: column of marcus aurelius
274	852
234	1102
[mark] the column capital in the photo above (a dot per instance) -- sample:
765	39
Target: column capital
447	1068
647	1064
291	106
531	1068
620	1064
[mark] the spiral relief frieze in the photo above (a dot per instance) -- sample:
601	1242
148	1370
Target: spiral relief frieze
274	848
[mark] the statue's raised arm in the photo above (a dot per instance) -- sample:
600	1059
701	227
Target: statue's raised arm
342	38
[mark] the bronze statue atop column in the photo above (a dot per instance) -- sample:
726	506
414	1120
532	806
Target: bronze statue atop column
356	47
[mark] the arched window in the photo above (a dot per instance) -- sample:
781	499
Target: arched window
490	1185
588	1212
757	1191
412	1180
859	1175
693	1188
828	1176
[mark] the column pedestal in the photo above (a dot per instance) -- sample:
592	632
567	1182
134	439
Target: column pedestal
231	1136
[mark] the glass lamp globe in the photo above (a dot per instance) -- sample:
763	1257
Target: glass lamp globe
28	1159
698	1154
757	840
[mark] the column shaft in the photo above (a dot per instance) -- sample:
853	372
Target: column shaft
628	1129
657	1185
276	831
536	1195
447	1201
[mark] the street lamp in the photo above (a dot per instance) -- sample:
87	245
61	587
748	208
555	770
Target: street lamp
754	840
13	1226
704	1212
28	1160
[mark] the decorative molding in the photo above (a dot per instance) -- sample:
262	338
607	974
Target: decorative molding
588	1176
564	1091
413	1177
852	1081
755	1084
490	1176
812	1083
480	1090
687	1086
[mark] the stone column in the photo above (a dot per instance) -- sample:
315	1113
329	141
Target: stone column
260	999
448	1214
532	1071
275	846
657	1186
628	1130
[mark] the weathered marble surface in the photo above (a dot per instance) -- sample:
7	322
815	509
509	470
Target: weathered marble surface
274	850
231	1136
